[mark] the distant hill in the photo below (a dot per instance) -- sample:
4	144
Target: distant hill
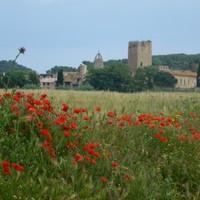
174	61
6	66
178	61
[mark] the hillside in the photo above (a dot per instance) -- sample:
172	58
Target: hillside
178	61
6	66
174	61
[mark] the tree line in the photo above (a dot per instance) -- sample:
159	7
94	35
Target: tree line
13	75
118	78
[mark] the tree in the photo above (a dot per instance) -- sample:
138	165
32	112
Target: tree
56	69
60	78
148	77
13	79
144	78
33	78
164	79
198	76
113	78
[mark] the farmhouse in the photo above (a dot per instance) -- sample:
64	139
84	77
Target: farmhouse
48	81
71	79
185	78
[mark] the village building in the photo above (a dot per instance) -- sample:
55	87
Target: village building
75	79
185	79
70	79
47	81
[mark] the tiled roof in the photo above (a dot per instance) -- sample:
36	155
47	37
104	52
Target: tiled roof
184	73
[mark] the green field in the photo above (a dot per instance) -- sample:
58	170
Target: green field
75	145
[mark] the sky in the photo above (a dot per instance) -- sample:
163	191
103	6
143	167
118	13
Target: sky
67	32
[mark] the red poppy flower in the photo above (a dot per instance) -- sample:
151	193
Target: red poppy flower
6	167
115	164
18	167
103	179
111	114
67	134
78	157
65	107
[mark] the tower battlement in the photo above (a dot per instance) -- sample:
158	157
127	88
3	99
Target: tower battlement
139	54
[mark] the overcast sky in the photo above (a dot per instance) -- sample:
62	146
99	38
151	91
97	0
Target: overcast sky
66	32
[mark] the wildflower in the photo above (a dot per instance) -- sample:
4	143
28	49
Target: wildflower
31	108
115	164
103	179
97	109
77	110
65	107
67	134
60	120
128	177
111	114
196	136
47	145
45	132
43	96
6	167
73	125
78	157
164	139
86	118
18	167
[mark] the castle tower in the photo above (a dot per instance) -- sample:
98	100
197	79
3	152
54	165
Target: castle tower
139	55
98	61
82	70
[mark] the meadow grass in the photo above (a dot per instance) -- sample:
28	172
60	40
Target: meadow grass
157	148
144	102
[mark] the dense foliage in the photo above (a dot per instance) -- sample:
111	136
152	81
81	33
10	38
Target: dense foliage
113	78
18	79
118	78
198	76
60	78
15	75
178	61
56	69
6	66
148	78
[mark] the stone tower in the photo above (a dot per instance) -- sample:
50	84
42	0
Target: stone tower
139	55
98	61
83	70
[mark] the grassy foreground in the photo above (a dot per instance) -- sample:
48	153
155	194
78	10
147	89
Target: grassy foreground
99	145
